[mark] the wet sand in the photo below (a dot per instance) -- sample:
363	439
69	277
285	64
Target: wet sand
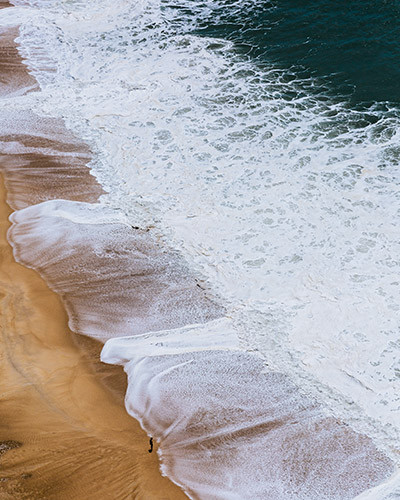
41	160
64	431
14	79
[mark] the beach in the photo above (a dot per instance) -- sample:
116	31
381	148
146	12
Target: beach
64	431
55	443
198	251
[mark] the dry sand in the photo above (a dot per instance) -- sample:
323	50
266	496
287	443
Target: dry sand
64	431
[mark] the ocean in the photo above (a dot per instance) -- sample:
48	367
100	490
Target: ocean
255	145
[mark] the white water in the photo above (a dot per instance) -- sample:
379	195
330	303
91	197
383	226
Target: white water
115	280
291	218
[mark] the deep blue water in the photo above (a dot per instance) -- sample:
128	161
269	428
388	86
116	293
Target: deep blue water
353	44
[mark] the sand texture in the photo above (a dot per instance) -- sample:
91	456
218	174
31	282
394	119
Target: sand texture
223	422
14	78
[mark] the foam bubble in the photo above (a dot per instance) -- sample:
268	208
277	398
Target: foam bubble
388	490
284	205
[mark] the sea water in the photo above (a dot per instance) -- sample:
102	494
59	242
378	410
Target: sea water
260	140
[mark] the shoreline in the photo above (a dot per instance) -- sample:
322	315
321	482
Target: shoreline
64	430
100	283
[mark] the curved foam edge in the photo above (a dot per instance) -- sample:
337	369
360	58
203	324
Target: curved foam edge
190	338
116	279
191	160
119	128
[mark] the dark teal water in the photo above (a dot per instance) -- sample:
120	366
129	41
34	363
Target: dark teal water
354	44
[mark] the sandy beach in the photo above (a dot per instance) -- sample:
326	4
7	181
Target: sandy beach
64	431
14	78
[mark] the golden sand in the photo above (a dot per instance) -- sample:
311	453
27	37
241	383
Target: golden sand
63	433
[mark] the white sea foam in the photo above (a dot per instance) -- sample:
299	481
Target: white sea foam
115	279
217	335
288	208
389	490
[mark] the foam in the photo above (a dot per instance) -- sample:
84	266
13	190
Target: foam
283	205
190	338
388	490
114	278
15	79
41	160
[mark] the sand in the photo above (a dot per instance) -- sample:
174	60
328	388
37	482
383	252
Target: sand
41	160
64	431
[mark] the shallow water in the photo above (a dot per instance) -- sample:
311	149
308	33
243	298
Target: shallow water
54	442
231	429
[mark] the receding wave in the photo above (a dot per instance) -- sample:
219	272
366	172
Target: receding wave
231	429
115	279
